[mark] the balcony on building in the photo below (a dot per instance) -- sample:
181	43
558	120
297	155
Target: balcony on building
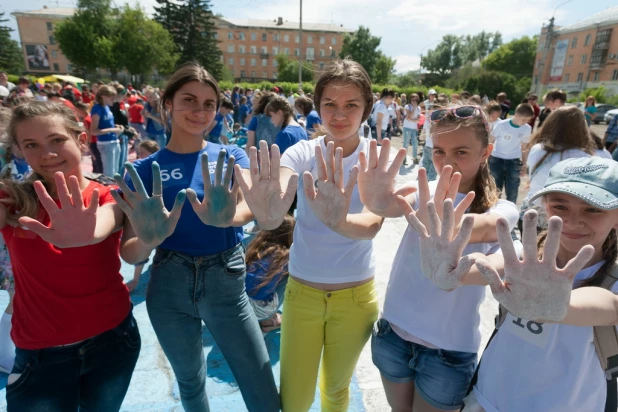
264	55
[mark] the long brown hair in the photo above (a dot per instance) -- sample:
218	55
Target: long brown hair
564	129
610	254
280	103
486	192
273	245
22	199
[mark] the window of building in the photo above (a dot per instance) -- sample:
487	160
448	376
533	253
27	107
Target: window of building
603	36
275	63
569	61
583	59
230	48
587	41
241	49
243	73
310	53
310	39
297	38
253	50
566	78
333	40
264	62
276	37
275	74
50	26
54	54
56	67
242	61
296	52
52	40
286	51
264	50
69	67
322	53
253	36
580	77
264	36
286	38
215	35
230	61
253	75
574	43
322	40
264	75
321	66
596	77
275	51
333	53
615	75
230	35
253	62
242	36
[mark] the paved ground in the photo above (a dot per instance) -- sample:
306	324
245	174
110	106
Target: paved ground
153	387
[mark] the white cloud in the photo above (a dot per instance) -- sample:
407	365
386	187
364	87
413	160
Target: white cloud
405	63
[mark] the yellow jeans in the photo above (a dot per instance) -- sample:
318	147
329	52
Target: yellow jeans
331	326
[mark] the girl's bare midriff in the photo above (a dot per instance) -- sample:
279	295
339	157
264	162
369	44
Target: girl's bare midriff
331	286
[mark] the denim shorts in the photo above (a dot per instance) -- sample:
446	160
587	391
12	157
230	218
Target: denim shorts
442	377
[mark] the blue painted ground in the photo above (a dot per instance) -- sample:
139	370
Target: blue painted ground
153	387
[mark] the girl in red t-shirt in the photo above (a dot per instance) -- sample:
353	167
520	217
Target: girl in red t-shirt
76	340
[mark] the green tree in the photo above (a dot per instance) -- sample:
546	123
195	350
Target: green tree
384	70
409	79
516	57
87	37
11	56
489	83
477	47
140	36
287	69
445	58
192	27
362	47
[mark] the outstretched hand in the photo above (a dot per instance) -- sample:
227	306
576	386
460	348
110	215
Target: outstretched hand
266	199
534	289
72	224
219	205
150	219
332	200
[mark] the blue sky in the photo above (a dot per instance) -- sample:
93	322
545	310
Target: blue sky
407	27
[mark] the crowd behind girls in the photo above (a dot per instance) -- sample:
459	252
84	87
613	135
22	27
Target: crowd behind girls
182	171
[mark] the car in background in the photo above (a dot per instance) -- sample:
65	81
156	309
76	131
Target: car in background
609	115
602	109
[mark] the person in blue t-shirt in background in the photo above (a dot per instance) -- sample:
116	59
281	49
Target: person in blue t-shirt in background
304	106
260	127
236	102
244	111
281	115
267	259
217	131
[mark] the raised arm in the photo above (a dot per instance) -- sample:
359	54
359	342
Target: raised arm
592	306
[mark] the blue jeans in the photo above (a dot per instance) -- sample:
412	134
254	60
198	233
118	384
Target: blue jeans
93	375
442	377
428	163
186	290
506	174
615	155
411	136
124	152
110	155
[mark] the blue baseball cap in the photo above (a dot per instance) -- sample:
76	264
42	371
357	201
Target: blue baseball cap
591	179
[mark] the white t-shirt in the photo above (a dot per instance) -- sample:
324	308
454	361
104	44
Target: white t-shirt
494	123
427	126
447	320
415	112
386	114
532	366
319	254
509	139
540	175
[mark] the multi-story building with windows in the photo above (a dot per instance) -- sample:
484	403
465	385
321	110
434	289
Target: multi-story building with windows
577	57
250	47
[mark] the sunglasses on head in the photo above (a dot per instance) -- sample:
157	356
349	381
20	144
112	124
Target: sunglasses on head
460	112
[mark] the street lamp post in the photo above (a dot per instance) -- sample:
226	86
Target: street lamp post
300	48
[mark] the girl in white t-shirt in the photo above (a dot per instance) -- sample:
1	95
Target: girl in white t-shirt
426	341
542	357
564	135
410	128
330	300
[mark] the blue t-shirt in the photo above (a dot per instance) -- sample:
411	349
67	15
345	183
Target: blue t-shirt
235	99
214	134
183	171
255	275
244	112
312	120
153	127
289	136
106	121
253	124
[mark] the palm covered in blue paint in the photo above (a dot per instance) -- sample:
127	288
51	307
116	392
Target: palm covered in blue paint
150	219
219	205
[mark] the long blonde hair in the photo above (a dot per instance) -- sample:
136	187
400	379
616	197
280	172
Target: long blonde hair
22	199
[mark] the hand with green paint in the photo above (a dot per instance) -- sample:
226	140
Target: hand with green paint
151	221
219	205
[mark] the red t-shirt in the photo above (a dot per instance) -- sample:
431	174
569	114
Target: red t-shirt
87	97
67	295
87	124
132	100
135	113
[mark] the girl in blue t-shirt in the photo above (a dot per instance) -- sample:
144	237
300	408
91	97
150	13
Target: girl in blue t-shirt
260	127
590	110
281	115
198	272
304	106
105	130
268	255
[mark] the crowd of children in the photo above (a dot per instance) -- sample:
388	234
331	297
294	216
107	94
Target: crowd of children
318	188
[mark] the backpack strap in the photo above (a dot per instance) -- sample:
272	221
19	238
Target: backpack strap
606	337
100	178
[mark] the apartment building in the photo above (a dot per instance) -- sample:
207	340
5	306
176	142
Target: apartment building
250	47
580	56
36	31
